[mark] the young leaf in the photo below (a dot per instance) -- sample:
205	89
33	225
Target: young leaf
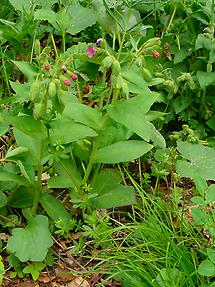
69	131
117	195
54	208
83	114
32	242
206	268
131	113
210	194
104	180
3	199
122	151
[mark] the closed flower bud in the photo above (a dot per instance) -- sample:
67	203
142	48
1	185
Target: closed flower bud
107	62
52	88
155	55
47	67
64	69
35	90
116	67
39	109
125	89
37	47
146	74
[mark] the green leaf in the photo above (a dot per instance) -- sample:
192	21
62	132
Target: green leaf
122	151
54	208
206	268
27	69
199	200
12	154
3	199
202	161
60	182
134	80
83	114
21	198
21	5
201	185
200	217
180	55
2	270
81	18
104	180
22	92
9	176
205	78
210	194
32	242
131	113
211	254
118	195
69	131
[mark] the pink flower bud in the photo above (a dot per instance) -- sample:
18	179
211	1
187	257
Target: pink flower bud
74	77
47	67
67	82
155	55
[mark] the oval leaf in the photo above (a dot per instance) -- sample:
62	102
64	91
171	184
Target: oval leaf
122	151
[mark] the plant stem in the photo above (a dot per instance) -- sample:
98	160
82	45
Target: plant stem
9	220
171	20
55	48
63	41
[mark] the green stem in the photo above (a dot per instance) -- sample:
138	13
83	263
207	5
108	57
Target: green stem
63	41
91	161
38	186
212	16
171	19
115	95
55	48
78	90
121	45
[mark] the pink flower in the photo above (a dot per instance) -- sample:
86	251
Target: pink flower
91	51
67	82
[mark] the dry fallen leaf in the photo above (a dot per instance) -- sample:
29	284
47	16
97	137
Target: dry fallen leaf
78	282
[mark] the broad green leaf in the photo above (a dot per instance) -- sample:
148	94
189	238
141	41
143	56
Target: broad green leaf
21	5
3	199
81	18
9	176
199	200
210	194
180	55
113	132
67	168
205	78
28	125
32	242
21	198
206	268
27	69
54	208
2	270
157	138
202	161
211	254
118	195
22	92
200	217
131	113
104	180
135	81
83	114
69	131
37	150
60	182
201	185
181	103
34	269
16	152
122	151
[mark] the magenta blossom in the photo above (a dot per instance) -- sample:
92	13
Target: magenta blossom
91	51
